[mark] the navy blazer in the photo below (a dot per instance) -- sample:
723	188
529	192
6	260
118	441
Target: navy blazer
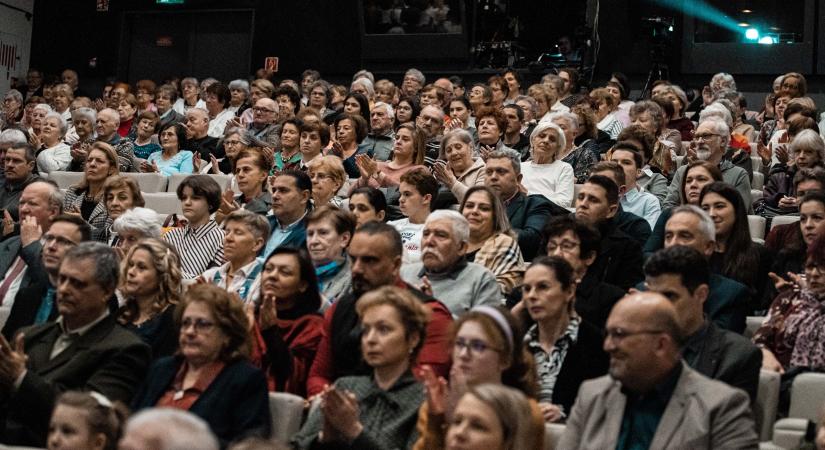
235	405
297	237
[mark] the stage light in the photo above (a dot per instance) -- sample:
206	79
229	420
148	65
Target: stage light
767	40
744	24
751	34
747	11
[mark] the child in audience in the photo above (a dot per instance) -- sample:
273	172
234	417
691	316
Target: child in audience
85	421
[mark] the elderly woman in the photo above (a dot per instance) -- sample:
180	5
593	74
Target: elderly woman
350	131
62	97
650	116
86	198
145	94
288	321
491	125
566	349
251	173
35	122
462	171
210	376
121	194
127	110
238	96
133	226
492	241
408	154
171	159
84	121
545	173
13	110
544	99
368	204
487	347
55	155
288	156
581	158
494	417
191	96
353	412
807	151
328	176
329	230
151	286
791	335
677	121
245	234
481	96
606	112
234	141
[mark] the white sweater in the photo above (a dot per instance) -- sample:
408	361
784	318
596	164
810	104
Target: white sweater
554	181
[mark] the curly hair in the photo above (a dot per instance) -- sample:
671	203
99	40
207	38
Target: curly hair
166	262
228	311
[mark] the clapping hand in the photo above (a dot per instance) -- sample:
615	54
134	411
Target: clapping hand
12	360
30	231
366	165
341	413
436	390
269	311
228	203
444	174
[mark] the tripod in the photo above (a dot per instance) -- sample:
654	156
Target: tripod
658	71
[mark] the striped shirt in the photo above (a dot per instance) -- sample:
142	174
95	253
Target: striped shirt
548	365
199	248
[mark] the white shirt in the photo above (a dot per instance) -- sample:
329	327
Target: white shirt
181	108
410	237
218	124
54	158
554	181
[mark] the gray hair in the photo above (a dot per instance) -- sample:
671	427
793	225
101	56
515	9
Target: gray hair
109	112
43	106
725	78
56	196
706	226
572	119
390	110
456	134
13	137
555	80
15	94
367	84
508	153
680	94
190	80
417	74
809	139
243	134
461	228
365	74
545	125
717	110
534	107
87	113
60	120
240	84
107	264
140	220
720	127
174	429
257	224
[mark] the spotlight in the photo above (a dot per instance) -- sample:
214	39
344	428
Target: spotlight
751	34
767	40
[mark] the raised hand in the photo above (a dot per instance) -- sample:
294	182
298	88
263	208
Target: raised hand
30	230
436	390
12	360
269	312
551	412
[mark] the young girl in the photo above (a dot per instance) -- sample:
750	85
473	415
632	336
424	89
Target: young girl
85	421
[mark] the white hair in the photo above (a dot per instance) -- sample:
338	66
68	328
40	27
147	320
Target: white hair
716	110
720	127
140	220
572	119
175	429
706	226
725	79
88	113
545	124
13	137
60	121
364	73
366	83
417	74
43	106
390	111
461	228
809	139
239	84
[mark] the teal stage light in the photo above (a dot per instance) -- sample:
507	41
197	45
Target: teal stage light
752	34
767	40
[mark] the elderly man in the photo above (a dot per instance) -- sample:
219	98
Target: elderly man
431	124
375	255
651	399
413	82
167	429
381	137
35	300
198	140
527	213
727	300
291	193
682	275
108	120
460	284
18	165
70	78
264	126
20	265
710	141
447	86
620	257
84	349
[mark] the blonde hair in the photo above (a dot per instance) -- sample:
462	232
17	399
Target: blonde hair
166	262
520	430
332	164
412	312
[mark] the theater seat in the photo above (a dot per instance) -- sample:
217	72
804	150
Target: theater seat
552	435
149	182
65	180
287	414
757	228
163	202
758	180
807	400
752	323
782	220
175	180
767	401
756	161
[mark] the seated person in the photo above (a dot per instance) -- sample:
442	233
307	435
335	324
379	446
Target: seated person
443	268
630	223
407	154
418	191
327	175
807	151
18	170
329	231
545	173
134	225
789	242
172	158
85	420
367	204
635	200
682	275
251	170
291	194
200	242
643	141
211	376
167	429
461	171
620	256
121	193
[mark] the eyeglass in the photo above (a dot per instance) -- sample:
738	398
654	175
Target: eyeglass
812	266
618	334
260	110
201	325
231	143
60	240
704	137
320	176
474	346
566	246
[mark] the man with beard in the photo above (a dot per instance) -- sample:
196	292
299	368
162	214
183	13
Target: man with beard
381	137
375	254
710	141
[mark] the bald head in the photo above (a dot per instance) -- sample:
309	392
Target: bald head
265	112
196	122
106	124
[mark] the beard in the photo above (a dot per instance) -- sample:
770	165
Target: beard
703	154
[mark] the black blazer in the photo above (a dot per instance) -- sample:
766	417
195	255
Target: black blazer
620	258
585	360
107	359
235	405
528	214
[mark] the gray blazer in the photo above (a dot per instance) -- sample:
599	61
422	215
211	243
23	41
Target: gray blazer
701	414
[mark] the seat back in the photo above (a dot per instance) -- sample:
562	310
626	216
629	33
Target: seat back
756	161
807	396
287	414
767	401
752	323
149	182
175	180
163	202
758	180
552	435
782	220
65	180
757	228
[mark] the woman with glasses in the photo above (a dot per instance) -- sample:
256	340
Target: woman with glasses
210	376
327	175
488	347
567	350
